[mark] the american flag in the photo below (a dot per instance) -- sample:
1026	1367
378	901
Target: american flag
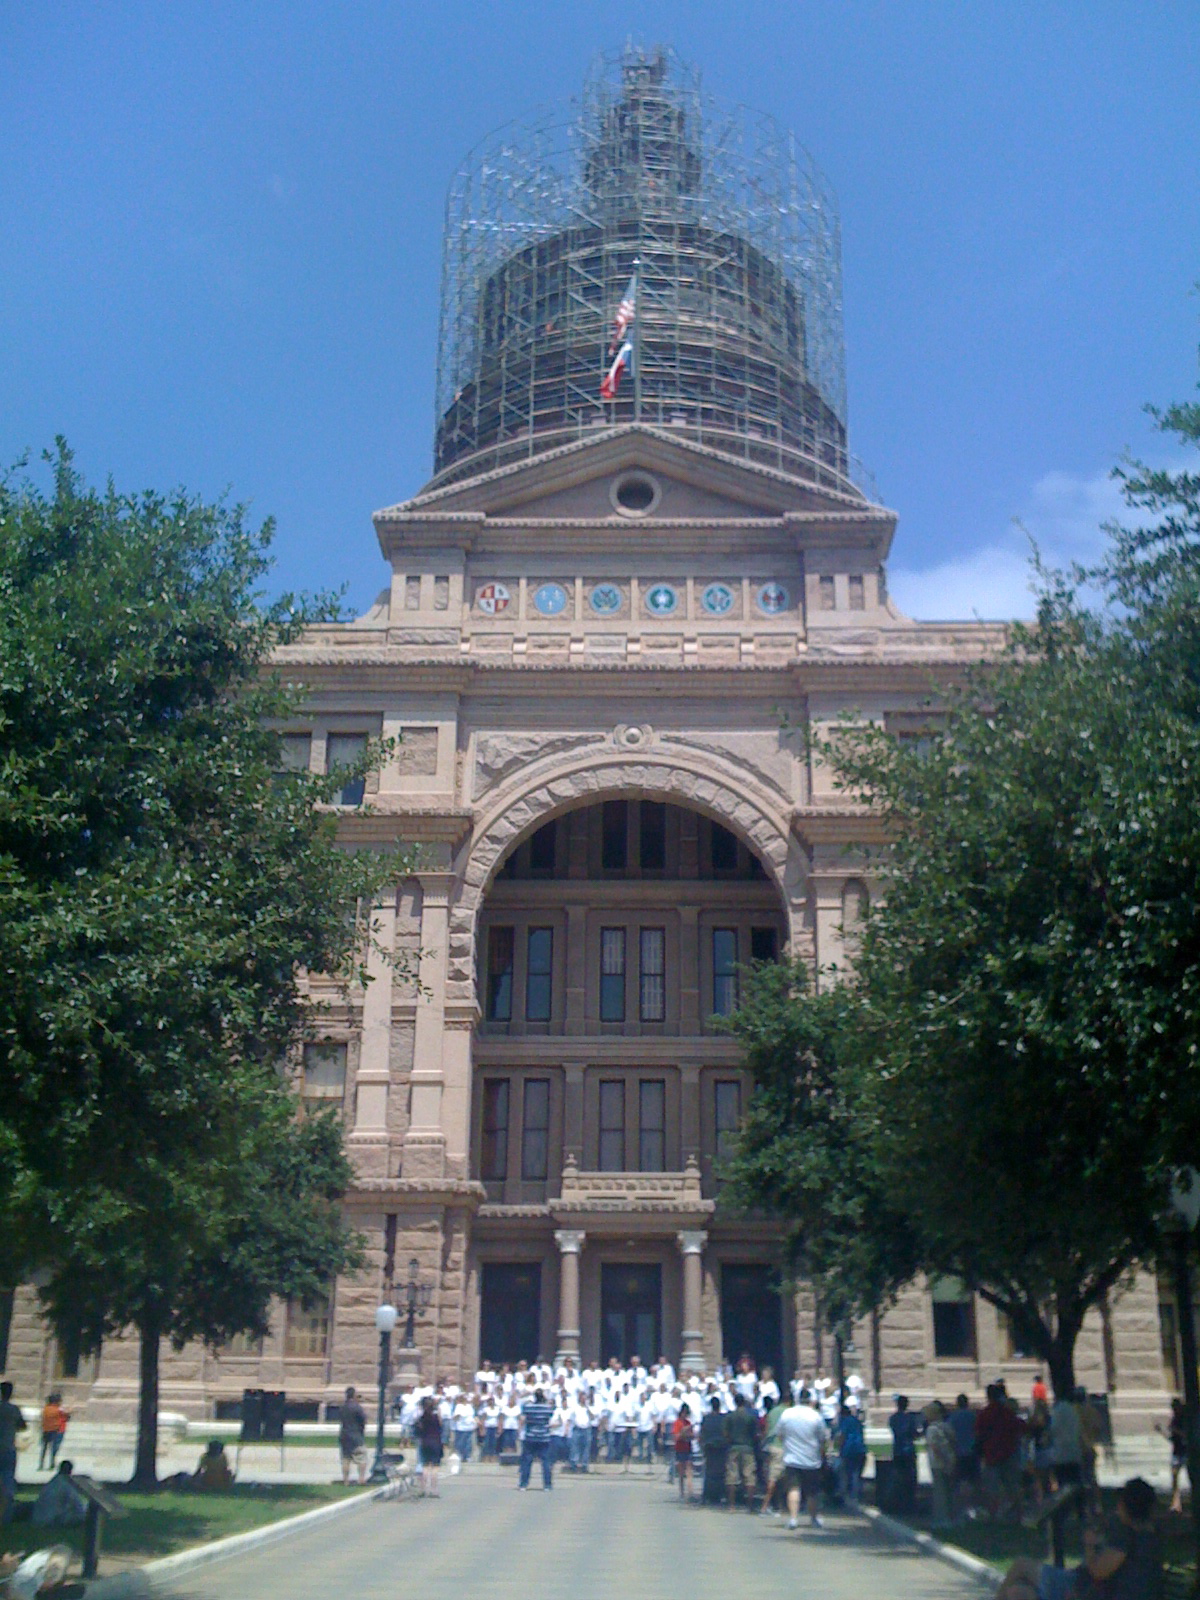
626	312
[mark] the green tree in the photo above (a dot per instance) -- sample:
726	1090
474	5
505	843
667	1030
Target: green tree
162	888
1021	1045
803	1152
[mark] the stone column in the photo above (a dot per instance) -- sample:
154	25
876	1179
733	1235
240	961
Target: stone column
689	971
689	1108
570	1243
691	1246
576	968
573	1112
424	1154
368	1140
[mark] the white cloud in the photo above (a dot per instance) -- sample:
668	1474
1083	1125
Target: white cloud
1063	514
991	583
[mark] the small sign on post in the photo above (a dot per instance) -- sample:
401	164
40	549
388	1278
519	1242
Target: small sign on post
101	1503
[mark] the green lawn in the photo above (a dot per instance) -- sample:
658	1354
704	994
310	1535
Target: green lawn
161	1524
1000	1543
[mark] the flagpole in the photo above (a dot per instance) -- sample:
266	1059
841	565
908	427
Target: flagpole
637	342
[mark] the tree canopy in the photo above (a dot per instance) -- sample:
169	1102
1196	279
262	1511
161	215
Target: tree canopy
163	886
1013	1063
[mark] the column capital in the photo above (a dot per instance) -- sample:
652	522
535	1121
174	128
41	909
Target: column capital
569	1240
691	1241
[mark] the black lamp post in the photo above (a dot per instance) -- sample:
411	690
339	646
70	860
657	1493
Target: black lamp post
1185	1203
385	1321
415	1297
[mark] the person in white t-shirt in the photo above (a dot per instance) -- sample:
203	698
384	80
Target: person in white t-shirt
462	1420
645	1422
802	1435
580	1419
489	1418
621	1427
510	1421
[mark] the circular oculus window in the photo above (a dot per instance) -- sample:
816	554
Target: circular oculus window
635	494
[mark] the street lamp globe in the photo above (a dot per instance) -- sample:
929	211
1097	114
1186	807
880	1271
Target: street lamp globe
385	1319
1185	1196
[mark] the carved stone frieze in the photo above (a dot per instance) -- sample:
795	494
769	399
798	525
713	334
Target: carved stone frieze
497	755
763	753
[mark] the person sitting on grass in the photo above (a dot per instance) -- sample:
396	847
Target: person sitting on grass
1122	1562
213	1475
59	1503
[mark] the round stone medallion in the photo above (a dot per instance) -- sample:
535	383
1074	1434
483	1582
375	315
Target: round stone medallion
492	599
605	599
550	599
662	600
717	599
773	598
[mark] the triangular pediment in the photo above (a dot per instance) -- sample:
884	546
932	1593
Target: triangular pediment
577	481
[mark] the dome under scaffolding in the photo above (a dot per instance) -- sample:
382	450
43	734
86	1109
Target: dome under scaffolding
737	241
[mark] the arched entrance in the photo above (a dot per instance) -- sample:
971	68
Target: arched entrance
611	935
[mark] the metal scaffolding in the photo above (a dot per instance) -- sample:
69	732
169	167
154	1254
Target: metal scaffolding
740	340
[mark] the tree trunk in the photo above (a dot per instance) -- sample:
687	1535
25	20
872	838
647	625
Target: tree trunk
145	1466
1061	1358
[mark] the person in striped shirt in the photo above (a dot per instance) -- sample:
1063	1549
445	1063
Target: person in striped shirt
536	1415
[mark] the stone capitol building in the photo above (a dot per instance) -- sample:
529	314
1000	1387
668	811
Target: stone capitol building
605	624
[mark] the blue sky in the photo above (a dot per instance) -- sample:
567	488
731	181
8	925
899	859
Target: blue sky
220	253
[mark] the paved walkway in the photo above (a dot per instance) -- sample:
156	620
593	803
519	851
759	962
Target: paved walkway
588	1540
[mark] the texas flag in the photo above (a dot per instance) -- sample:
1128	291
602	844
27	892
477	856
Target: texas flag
612	378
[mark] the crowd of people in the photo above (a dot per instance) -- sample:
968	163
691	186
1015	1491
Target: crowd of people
998	1460
723	1436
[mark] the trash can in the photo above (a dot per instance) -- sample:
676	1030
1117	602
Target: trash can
884	1482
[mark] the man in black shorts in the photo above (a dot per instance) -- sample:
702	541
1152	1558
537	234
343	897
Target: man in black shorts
802	1433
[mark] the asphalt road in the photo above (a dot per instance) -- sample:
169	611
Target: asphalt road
590	1539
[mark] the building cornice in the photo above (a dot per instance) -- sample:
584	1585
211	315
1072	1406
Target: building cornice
560	464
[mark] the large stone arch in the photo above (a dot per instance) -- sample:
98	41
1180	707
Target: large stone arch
525	807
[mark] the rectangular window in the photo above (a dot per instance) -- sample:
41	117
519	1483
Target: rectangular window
725	961
307	1329
324	1071
764	944
500	975
652	1125
652	836
494	1152
242	1344
612	974
652	974
727	1117
827	596
858	597
535	1130
953	1320
614	840
612	1125
539	966
343	750
542	851
724	849
295	752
